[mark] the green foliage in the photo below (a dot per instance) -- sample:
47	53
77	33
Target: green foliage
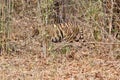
5	19
62	50
65	50
97	35
47	10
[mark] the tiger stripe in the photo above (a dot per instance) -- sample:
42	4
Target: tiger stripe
68	32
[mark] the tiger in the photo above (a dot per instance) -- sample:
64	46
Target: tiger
68	31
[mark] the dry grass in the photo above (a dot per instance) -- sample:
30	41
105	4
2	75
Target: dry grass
99	60
31	66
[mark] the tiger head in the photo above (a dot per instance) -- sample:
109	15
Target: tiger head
56	33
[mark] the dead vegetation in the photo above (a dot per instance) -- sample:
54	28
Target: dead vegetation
26	52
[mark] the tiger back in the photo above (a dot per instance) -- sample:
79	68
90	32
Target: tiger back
68	32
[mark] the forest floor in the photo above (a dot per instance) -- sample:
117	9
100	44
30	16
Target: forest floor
28	64
31	66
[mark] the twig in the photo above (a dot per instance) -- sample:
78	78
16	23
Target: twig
76	44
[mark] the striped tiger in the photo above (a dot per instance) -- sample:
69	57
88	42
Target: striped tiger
69	32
